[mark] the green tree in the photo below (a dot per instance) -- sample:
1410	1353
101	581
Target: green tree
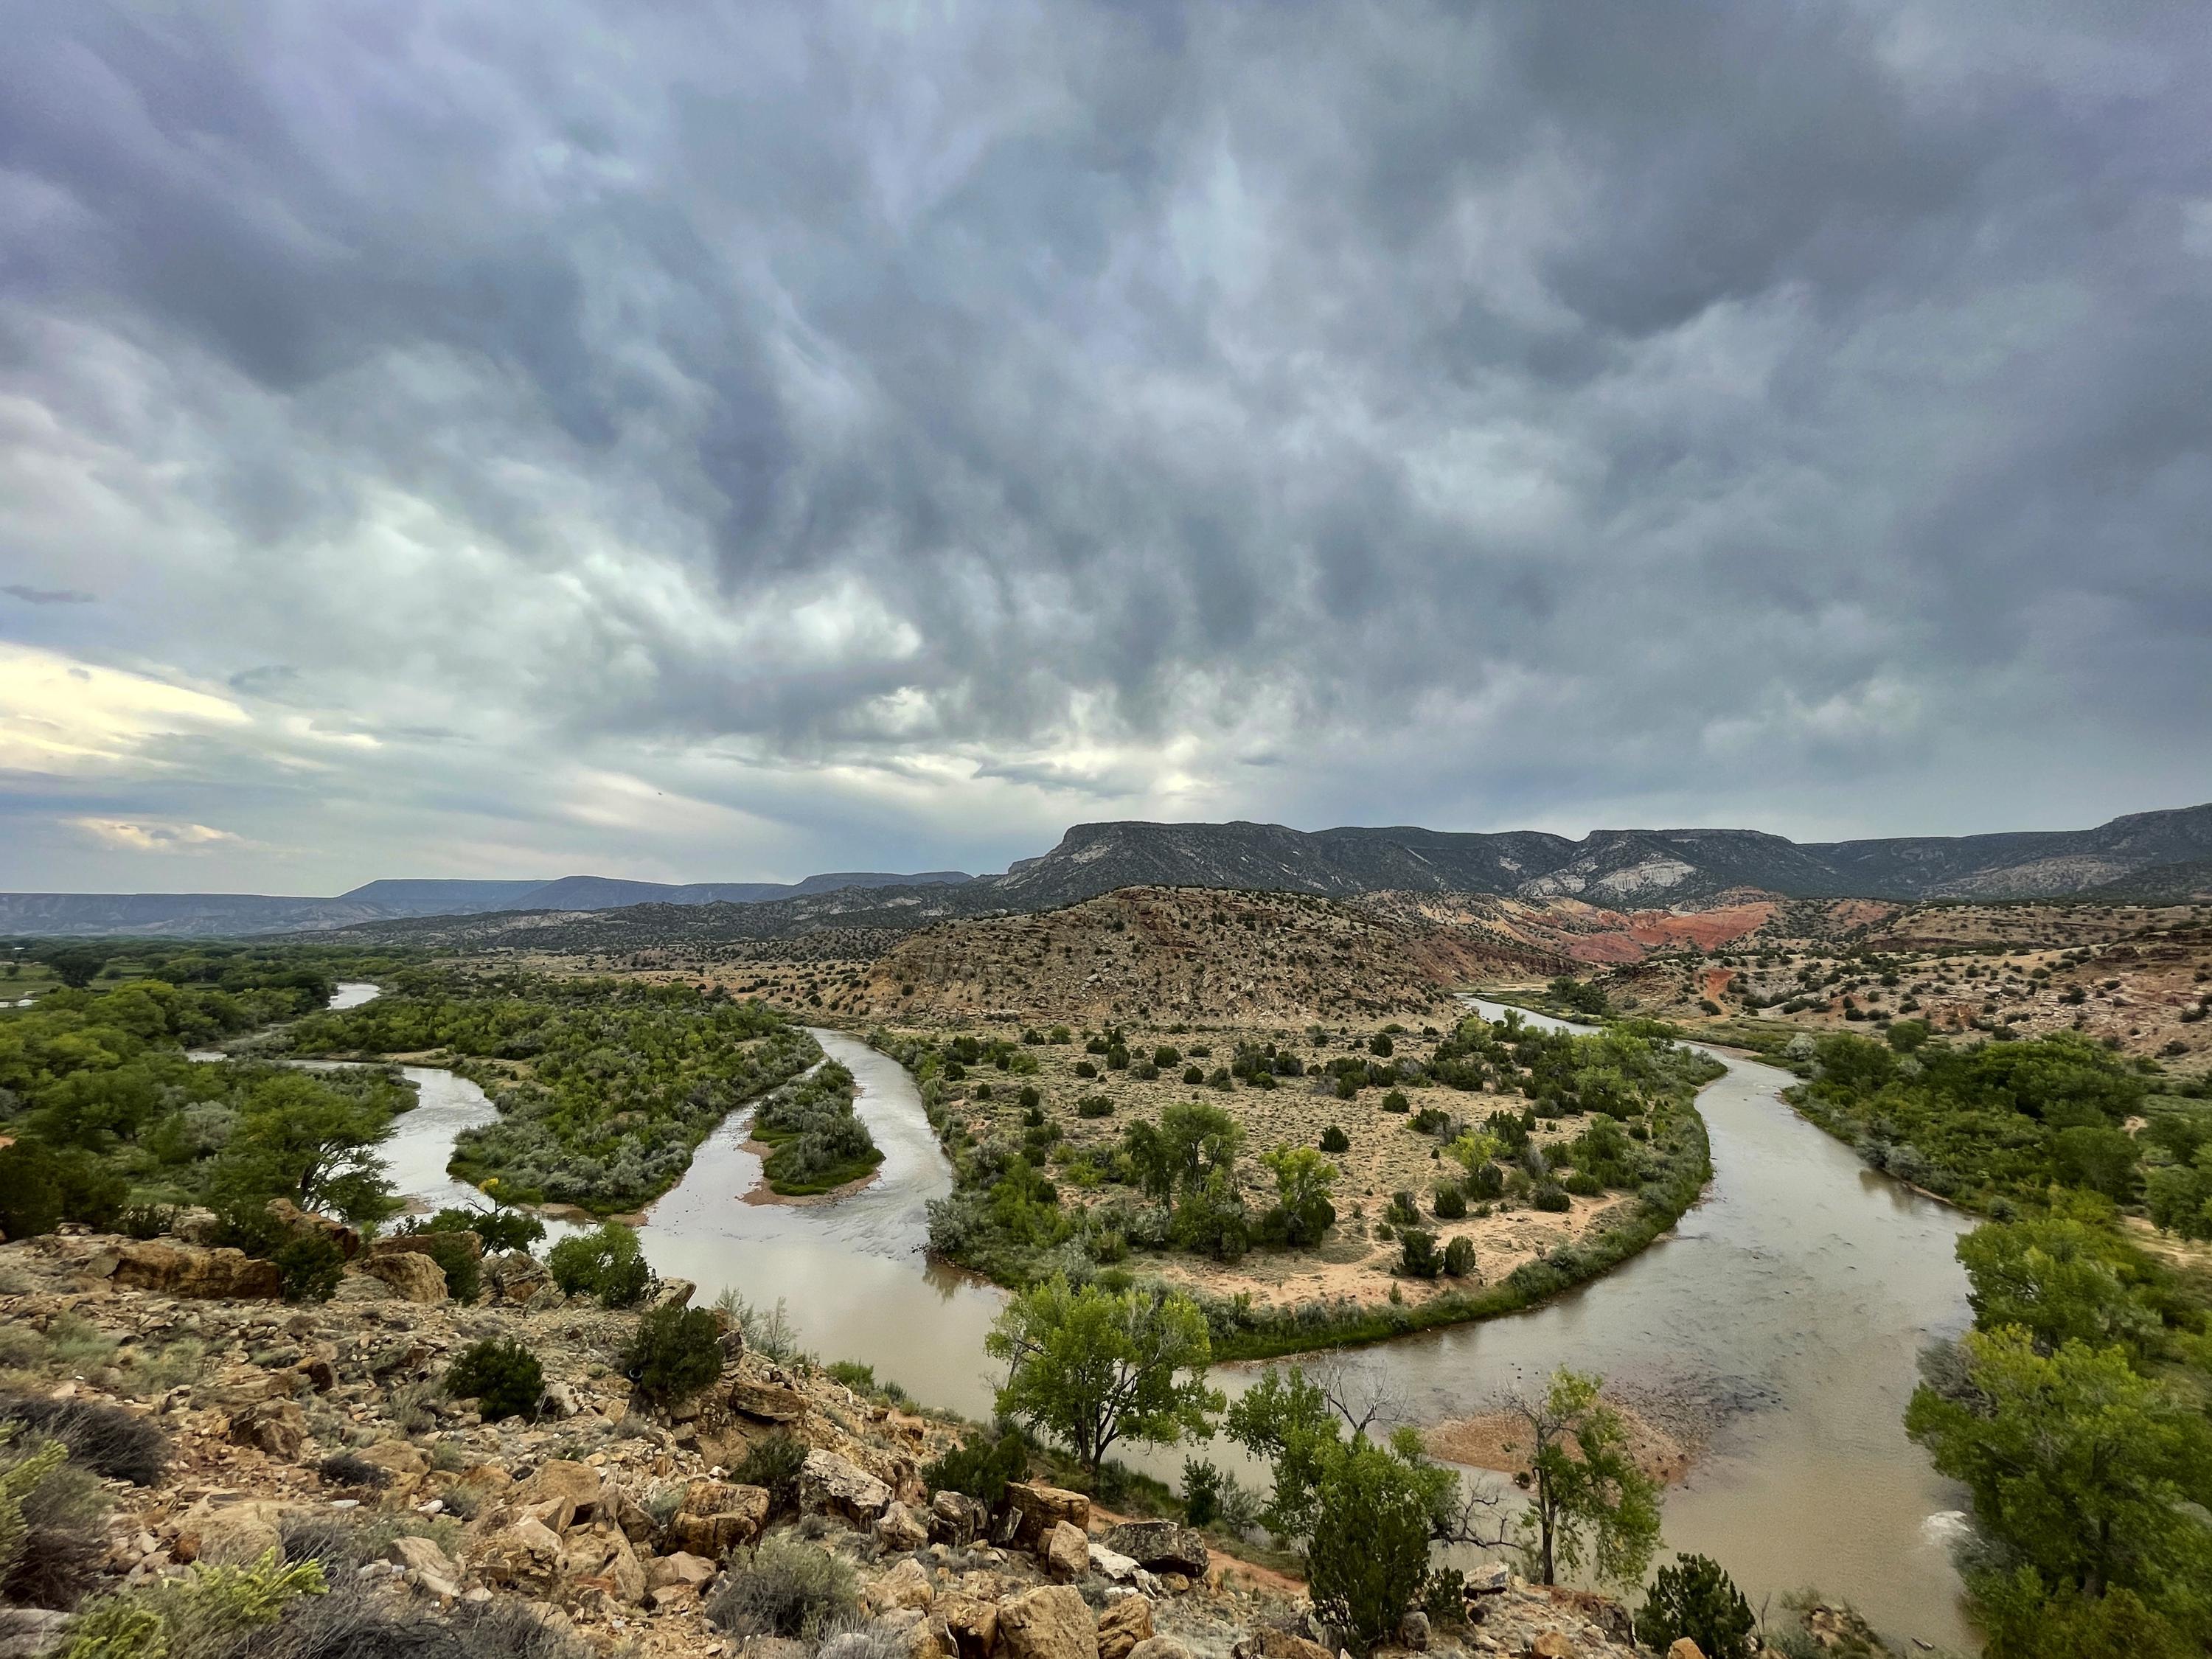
2179	1195
1094	1366
298	1138
1694	1598
1586	1495
1304	1181
1367	1510
1369	1551
2081	1470
2054	1278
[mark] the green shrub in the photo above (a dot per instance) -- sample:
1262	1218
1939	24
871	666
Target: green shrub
347	1468
786	1588
1334	1139
501	1375
675	1353
1551	1196
606	1262
980	1467
1459	1257
1418	1253
1395	1102
499	1228
206	1612
1695	1598
1202	1491
1450	1202
1194	1075
310	1266
773	1464
1094	1106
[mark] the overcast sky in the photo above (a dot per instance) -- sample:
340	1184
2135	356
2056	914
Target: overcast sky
731	441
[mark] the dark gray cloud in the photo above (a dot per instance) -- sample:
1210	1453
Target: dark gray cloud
889	439
46	595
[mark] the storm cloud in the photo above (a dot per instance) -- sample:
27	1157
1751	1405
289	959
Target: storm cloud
729	441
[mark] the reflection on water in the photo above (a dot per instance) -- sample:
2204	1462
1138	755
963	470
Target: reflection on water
1795	1296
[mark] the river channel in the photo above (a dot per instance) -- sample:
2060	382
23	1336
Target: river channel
1792	1299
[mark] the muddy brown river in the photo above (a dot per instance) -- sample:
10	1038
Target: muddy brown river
1788	1305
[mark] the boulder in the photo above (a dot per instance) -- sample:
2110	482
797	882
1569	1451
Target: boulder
1052	1623
1063	1552
831	1484
303	1223
671	1293
1414	1631
716	1517
187	1270
972	1622
559	1400
412	1276
901	1528
274	1425
563	1478
1683	1648
1033	1509
681	1568
1268	1643
1161	1545
1126	1621
1108	1564
618	1505
600	1557
1491	1578
1551	1644
1159	1647
905	1585
402	1461
956	1518
767	1402
224	1531
514	1278
525	1556
26	1632
423	1558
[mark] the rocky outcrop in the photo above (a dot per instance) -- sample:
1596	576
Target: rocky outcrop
767	1402
1033	1509
514	1278
1160	1546
1052	1623
275	1426
187	1270
1125	1622
1064	1553
305	1224
716	1517
831	1484
412	1276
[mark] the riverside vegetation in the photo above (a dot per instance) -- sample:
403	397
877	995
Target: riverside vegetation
1095	1178
604	1087
2075	1410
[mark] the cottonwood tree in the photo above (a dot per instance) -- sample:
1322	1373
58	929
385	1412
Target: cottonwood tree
297	1137
1587	1498
1094	1366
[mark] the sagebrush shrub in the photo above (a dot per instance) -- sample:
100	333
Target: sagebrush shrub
106	1439
773	1464
784	1588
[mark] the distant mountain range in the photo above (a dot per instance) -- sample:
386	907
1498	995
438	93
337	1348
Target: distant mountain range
2144	856
210	915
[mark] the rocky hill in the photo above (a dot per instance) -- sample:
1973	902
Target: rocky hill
1167	953
235	1429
